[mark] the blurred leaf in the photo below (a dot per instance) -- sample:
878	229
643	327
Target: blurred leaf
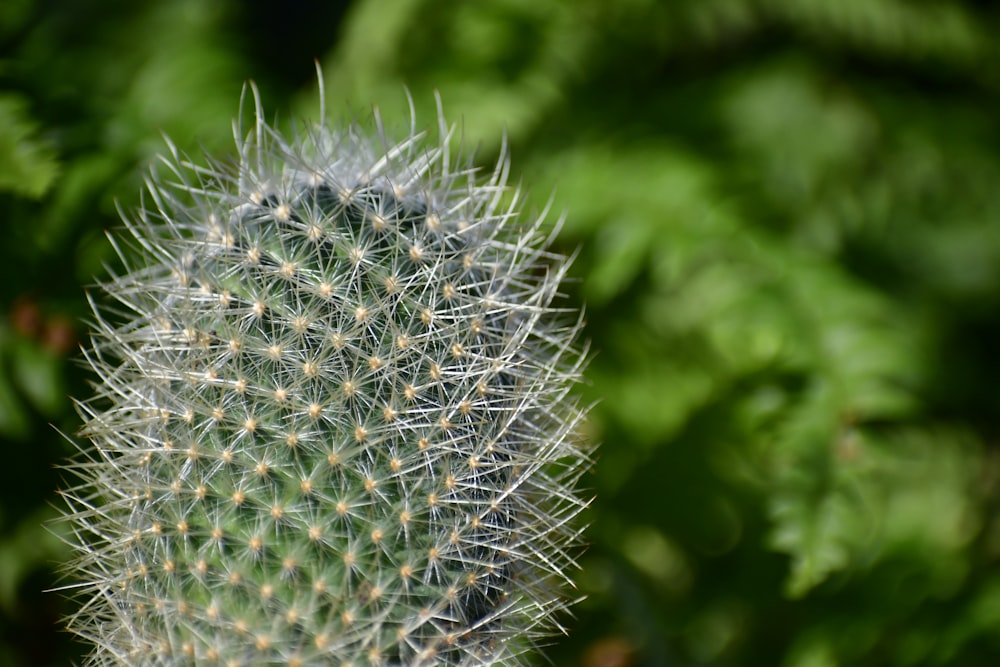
14	421
865	498
917	30
815	652
28	164
498	66
80	185
817	532
13	14
22	550
13	417
38	374
980	618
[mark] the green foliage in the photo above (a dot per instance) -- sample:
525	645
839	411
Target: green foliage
27	166
786	214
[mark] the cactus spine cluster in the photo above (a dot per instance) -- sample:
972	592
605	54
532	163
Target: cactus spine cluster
333	423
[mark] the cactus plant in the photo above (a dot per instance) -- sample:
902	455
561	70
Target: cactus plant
333	422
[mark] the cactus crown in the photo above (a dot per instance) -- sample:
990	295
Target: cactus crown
333	422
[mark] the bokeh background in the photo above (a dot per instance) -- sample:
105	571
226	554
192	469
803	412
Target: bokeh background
788	221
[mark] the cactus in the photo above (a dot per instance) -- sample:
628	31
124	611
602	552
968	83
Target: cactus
334	422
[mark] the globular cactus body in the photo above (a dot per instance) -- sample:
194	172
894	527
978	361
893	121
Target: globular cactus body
333	423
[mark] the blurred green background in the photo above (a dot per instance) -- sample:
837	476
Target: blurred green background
788	221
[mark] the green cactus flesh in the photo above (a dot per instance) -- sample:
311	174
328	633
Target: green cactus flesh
334	422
